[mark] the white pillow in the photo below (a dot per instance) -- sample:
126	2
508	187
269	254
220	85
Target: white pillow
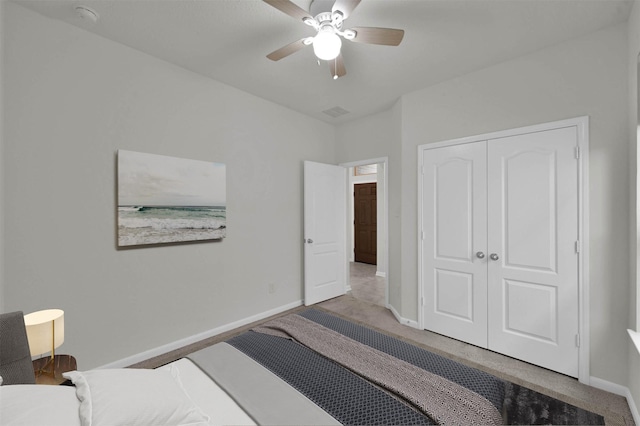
33	405
114	397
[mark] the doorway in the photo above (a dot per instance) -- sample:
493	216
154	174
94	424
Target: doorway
367	252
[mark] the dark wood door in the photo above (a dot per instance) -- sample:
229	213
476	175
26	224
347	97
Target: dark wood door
365	222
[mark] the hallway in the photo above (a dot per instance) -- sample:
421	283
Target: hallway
365	285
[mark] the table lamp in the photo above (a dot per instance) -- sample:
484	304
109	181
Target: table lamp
45	332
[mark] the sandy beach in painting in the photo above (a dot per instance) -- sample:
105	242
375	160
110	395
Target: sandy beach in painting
139	225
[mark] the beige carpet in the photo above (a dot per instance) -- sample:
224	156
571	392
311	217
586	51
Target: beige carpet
365	285
613	408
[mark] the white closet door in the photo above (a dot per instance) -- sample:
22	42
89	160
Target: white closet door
533	229
455	230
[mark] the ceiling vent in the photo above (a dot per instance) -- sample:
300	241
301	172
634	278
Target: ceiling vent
336	111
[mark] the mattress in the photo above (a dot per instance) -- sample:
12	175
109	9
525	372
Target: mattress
213	400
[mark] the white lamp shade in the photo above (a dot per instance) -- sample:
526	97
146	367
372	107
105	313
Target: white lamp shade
45	330
326	45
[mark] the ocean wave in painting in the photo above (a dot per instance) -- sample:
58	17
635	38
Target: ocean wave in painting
139	225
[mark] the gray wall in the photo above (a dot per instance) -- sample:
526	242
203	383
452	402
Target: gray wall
634	50
2	169
72	99
585	76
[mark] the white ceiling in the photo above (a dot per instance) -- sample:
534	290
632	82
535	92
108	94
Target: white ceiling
228	40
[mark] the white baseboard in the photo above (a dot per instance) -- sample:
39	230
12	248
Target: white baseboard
401	320
608	386
618	390
381	274
133	359
635	338
633	407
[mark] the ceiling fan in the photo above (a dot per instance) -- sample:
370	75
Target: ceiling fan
328	21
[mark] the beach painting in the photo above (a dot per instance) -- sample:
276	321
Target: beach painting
165	199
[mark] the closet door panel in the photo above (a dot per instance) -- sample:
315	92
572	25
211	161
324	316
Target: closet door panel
454	224
532	231
529	210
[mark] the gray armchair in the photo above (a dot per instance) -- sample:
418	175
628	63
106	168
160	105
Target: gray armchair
15	358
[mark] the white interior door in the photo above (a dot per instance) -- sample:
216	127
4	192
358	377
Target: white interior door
325	264
455	241
533	233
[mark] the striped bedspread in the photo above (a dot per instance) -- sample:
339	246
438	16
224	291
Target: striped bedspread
360	376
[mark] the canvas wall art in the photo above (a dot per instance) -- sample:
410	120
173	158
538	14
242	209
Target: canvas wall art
165	199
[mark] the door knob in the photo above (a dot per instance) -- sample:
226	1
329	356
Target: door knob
480	255
310	241
494	256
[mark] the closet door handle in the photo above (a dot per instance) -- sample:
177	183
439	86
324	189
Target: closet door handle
494	256
480	255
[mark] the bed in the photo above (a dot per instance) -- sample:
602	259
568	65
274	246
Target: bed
306	368
274	374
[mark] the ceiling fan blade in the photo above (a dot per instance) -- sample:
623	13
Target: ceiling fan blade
345	6
337	68
290	8
287	50
371	35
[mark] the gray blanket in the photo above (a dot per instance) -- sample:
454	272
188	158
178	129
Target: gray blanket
442	400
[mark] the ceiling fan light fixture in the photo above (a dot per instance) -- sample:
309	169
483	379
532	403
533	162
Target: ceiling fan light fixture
327	18
327	45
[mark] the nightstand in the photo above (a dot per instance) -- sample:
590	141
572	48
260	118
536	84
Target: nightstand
53	374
